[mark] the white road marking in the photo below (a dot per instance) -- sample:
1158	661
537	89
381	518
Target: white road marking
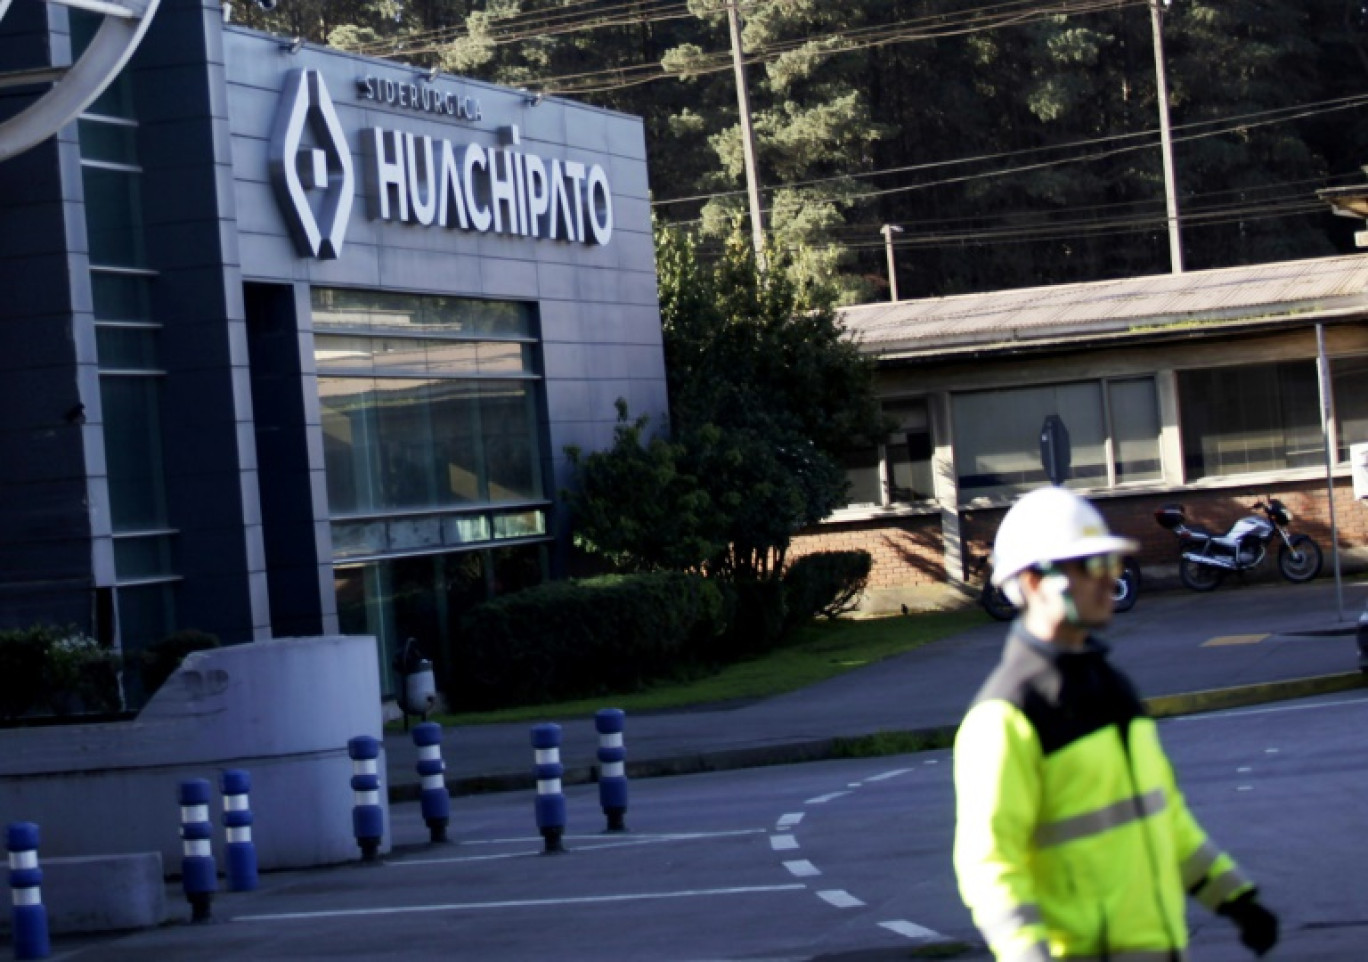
854	784
521	903
912	930
931	761
802	868
782	843
884	776
840	898
1244	788
1244	768
790	820
823	799
664	836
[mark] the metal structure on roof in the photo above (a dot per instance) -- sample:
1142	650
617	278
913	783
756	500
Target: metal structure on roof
72	89
1306	291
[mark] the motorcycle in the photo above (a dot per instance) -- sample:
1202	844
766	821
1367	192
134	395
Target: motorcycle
997	604
1207	557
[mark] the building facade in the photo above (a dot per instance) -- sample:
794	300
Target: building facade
293	340
1201	388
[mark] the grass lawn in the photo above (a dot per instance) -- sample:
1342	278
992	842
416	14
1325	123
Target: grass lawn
818	651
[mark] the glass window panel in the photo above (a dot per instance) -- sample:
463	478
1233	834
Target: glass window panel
113	143
466	529
379	311
523	524
408	476
364	608
127	348
997	437
1258	417
120	297
399	355
339	354
139	558
508	429
133	452
1349	382
1135	429
457	453
862	472
909	450
113	217
351	539
452	358
410	533
147	614
505	358
351	444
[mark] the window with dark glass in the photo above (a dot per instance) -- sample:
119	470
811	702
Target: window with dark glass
1250	418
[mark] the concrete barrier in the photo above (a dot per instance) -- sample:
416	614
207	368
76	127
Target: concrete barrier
284	709
102	893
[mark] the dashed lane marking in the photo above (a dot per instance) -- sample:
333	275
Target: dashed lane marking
790	820
590	843
823	799
522	903
783	843
1222	640
913	931
802	868
840	898
885	776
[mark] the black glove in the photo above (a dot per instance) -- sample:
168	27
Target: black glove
1258	926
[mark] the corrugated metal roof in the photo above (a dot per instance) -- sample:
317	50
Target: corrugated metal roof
1134	306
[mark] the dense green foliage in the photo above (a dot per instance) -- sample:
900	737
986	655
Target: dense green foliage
764	396
45	670
158	661
569	639
1015	143
622	633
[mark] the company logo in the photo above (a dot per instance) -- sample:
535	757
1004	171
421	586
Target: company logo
311	166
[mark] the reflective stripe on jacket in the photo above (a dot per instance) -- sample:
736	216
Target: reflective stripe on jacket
1072	839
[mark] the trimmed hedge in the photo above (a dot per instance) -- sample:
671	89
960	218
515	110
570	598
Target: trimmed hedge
825	583
576	639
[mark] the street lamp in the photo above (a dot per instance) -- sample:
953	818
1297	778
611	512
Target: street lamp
888	230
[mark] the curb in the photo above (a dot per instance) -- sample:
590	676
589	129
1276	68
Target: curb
882	743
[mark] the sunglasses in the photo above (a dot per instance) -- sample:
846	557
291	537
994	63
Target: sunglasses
1094	566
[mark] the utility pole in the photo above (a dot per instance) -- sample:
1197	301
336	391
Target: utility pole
1165	139
747	133
888	230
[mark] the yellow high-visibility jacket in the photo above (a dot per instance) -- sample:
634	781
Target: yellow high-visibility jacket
1072	840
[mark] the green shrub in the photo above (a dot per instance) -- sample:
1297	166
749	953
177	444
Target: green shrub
572	639
825	583
159	660
49	670
756	618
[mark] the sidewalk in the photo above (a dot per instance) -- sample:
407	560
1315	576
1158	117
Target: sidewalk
1186	652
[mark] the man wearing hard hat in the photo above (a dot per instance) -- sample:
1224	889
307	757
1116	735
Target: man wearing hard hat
1072	840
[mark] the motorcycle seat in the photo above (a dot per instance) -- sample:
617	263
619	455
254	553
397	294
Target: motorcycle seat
1204	532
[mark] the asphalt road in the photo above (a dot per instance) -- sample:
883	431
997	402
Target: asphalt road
843	861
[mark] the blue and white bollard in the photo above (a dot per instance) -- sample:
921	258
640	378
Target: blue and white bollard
368	819
546	739
436	803
612	756
240	851
199	875
30	924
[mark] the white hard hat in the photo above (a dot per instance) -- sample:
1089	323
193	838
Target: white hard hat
1051	524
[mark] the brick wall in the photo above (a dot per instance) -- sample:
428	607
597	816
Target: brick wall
908	552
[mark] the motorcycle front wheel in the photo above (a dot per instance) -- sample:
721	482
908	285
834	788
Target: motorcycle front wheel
995	603
1127	587
1199	577
1301	560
